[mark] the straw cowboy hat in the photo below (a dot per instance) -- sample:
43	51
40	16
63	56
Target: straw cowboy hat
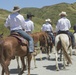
48	20
63	13
16	9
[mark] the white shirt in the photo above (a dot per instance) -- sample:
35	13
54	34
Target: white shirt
63	24
15	21
29	25
47	27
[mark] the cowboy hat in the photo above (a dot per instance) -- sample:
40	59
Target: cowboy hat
63	13
16	9
30	15
48	20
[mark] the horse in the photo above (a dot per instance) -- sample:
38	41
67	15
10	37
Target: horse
75	41
41	38
10	47
50	44
37	37
62	43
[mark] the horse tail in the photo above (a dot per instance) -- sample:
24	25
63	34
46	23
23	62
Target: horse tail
65	49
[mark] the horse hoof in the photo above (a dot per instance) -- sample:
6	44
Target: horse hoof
36	67
57	69
48	58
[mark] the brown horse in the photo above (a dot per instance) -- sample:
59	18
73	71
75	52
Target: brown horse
40	37
9	48
50	45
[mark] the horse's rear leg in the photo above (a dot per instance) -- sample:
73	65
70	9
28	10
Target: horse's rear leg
17	58
5	67
40	53
61	52
23	65
6	71
48	52
29	61
56	57
33	56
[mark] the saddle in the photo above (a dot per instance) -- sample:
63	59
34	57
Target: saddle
21	40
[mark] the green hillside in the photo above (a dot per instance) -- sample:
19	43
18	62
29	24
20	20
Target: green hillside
41	14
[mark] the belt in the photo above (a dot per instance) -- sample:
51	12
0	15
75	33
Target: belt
15	30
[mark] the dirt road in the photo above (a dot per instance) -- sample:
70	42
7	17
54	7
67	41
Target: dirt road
45	67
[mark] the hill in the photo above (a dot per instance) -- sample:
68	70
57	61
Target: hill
41	14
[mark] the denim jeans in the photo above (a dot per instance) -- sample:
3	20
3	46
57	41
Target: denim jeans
72	38
52	36
28	38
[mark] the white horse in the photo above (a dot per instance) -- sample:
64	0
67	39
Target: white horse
62	43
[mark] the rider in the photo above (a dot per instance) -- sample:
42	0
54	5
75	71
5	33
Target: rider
63	26
47	27
74	28
16	23
29	27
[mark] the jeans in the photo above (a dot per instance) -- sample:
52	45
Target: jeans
72	38
52	36
28	38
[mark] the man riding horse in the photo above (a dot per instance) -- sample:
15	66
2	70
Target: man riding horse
47	27
16	23
13	45
63	26
29	23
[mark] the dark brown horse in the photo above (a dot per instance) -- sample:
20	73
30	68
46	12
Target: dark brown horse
9	48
